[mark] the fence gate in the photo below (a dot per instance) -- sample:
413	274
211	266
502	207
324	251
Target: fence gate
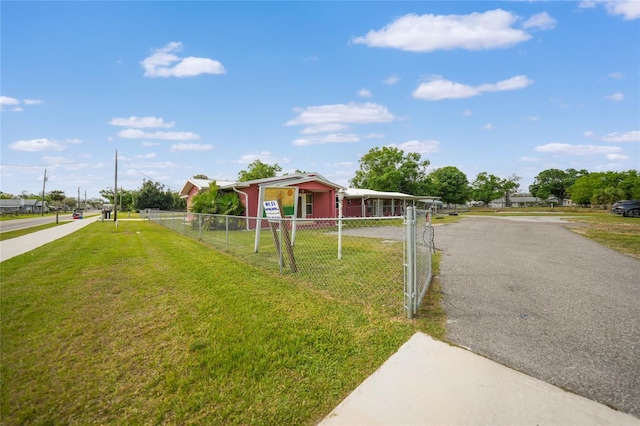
418	243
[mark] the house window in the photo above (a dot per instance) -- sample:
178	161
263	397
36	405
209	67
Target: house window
308	204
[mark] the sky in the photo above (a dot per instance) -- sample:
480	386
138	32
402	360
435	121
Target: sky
186	88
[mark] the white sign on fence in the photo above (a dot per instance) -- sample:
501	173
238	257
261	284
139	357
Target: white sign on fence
271	209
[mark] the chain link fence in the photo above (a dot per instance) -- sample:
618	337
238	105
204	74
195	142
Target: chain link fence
358	259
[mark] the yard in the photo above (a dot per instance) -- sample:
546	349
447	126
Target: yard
135	325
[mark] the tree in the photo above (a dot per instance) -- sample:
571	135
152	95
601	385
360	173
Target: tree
259	170
215	202
598	188
57	197
486	188
450	184
390	169
509	186
205	177
152	195
555	182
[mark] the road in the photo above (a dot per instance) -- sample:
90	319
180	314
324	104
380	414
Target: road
15	224
535	296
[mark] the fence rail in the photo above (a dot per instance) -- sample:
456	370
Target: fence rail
357	259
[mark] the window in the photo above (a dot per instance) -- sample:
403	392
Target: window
308	204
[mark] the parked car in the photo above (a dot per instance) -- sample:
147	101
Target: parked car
627	208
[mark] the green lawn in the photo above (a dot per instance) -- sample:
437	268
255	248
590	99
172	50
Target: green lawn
138	325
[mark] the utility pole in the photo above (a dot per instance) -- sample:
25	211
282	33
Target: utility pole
44	182
115	192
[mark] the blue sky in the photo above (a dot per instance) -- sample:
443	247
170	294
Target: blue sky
185	88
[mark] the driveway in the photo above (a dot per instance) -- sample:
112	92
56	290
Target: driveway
543	300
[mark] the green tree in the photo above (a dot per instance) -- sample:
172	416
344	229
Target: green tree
450	184
259	170
201	177
179	203
152	195
555	182
390	169
56	196
486	188
215	202
6	196
509	186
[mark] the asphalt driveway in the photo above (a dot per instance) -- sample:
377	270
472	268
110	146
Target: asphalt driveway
543	300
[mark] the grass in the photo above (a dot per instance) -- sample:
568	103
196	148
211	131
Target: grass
136	325
616	232
20	232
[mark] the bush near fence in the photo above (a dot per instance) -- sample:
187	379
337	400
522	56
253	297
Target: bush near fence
371	269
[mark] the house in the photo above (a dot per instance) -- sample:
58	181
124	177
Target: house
312	195
21	205
315	196
527	201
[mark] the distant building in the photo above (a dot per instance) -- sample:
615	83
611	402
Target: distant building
527	201
22	206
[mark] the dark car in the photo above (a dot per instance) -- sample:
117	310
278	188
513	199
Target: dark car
627	208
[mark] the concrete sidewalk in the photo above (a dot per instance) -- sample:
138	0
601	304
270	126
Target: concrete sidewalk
20	245
428	382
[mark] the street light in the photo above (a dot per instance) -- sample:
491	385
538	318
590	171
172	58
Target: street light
340	199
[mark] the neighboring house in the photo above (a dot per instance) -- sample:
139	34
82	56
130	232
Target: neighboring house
20	205
527	201
317	196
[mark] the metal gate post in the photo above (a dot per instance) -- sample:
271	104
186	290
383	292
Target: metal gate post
410	259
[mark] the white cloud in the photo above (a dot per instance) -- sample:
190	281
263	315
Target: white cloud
164	63
32	102
488	126
565	149
74	141
324	128
391	80
629	9
139	134
141	122
618	96
148	156
264	156
633	136
467	113
6	100
528	159
420	147
540	21
147	143
532	118
617	157
427	33
343	113
444	89
616	75
35	145
178	147
17	109
365	93
330	138
589	134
